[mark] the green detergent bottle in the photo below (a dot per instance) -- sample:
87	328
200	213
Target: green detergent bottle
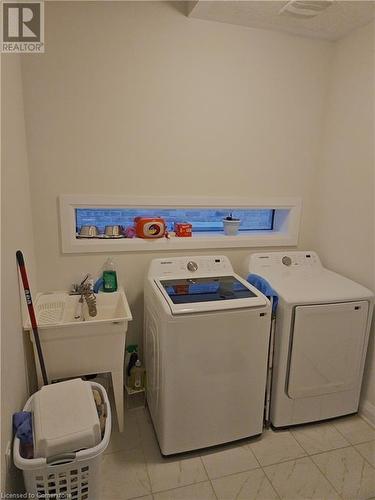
109	276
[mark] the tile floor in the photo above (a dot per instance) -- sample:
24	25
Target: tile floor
320	461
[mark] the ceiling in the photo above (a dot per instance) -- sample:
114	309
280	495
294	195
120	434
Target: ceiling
338	20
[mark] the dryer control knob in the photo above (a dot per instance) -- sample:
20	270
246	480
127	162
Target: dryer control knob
287	261
192	266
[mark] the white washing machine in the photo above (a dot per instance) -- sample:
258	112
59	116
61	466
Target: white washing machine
206	337
322	329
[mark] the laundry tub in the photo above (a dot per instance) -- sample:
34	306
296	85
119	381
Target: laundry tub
75	347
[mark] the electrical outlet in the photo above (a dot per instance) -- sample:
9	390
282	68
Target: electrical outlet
8	455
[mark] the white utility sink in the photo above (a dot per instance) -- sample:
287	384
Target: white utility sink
75	347
59	309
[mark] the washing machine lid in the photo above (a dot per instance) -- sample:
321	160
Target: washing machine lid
299	277
209	293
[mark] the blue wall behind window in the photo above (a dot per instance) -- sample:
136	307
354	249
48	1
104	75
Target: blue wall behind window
201	219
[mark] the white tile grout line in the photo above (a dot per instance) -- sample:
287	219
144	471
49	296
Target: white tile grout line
212	486
268	479
320	453
256	458
141	496
332	449
338	449
370	424
328	451
366	442
343	435
325	475
324	451
175	488
322	473
244	472
213	489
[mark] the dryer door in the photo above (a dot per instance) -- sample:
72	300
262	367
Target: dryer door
327	348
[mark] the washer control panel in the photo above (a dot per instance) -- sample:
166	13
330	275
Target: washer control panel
205	265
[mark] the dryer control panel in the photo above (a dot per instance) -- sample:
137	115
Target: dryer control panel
284	261
204	265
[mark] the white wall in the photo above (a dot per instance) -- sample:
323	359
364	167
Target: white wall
345	191
135	98
16	233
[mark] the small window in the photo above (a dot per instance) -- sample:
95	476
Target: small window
264	222
202	220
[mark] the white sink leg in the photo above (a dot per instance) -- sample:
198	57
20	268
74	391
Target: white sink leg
118	391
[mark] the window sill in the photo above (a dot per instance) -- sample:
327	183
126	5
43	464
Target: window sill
197	241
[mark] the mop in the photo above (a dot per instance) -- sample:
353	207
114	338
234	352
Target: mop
30	307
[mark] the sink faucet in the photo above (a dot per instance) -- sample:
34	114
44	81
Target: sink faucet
76	288
84	289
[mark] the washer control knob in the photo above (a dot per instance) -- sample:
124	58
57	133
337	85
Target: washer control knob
192	266
287	261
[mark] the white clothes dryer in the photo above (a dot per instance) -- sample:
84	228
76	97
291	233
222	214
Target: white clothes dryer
322	328
206	336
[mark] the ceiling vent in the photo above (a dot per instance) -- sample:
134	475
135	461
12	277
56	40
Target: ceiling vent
305	8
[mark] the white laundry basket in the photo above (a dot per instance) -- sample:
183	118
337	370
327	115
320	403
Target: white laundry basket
73	476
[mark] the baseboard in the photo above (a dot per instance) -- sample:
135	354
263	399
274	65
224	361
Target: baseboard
367	412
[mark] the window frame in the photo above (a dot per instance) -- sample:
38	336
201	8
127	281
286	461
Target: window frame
284	233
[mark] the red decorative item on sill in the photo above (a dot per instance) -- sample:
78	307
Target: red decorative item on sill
183	229
146	227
